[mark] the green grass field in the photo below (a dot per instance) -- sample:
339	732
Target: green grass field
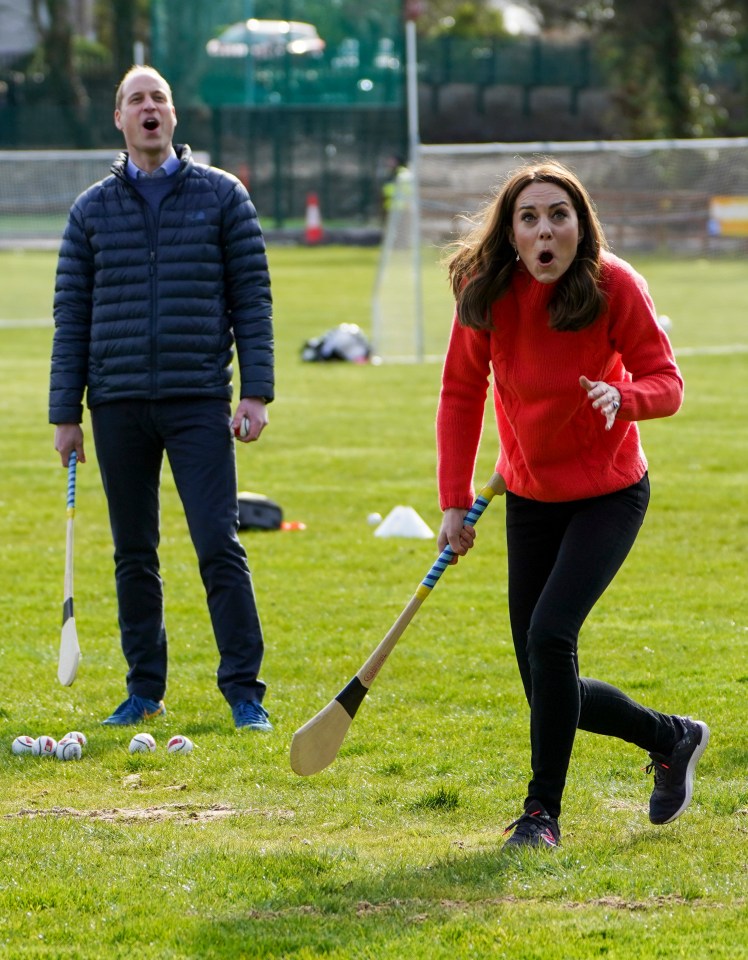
393	850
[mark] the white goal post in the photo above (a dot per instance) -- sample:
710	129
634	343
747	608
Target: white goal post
684	197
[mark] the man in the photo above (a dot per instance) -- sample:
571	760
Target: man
162	271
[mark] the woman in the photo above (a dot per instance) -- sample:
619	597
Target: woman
570	335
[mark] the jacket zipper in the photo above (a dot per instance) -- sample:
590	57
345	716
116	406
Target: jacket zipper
151	227
154	321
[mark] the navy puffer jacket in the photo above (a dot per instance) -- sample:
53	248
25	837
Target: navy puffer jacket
151	308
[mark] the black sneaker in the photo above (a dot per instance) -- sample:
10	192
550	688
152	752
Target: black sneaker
535	828
673	775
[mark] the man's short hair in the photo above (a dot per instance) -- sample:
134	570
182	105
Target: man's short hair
138	68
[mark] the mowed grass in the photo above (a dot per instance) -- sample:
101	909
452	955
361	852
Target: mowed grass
394	850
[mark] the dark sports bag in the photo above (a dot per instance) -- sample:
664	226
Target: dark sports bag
257	512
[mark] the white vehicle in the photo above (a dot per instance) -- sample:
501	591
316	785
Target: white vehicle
267	40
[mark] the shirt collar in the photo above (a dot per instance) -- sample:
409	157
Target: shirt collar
170	165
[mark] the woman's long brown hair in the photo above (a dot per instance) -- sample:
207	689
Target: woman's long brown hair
481	269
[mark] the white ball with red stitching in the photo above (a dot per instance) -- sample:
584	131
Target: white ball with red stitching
142	743
44	746
77	735
243	429
68	749
23	744
180	744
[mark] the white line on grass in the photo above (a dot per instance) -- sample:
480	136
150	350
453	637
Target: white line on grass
723	350
21	324
711	351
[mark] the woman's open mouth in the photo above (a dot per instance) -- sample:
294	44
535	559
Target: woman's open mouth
546	257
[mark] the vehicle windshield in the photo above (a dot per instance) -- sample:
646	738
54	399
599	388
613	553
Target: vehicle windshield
241	33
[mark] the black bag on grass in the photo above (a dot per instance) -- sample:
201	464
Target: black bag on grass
257	512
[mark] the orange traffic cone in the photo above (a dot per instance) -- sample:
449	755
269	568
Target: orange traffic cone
313	232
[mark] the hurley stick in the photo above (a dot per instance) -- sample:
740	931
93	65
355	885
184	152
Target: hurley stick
315	745
70	651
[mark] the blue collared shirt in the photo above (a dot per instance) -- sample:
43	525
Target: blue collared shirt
169	166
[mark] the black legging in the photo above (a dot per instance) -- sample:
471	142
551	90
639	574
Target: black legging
562	556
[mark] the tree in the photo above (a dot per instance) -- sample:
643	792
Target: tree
118	24
52	19
469	18
659	56
123	34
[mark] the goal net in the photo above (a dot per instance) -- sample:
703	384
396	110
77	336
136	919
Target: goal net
38	187
681	197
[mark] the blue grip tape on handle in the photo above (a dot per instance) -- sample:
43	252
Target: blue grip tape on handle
442	561
71	480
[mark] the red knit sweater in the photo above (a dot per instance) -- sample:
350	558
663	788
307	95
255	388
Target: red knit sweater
553	445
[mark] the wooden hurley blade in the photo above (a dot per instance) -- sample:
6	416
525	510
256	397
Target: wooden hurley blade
315	745
70	651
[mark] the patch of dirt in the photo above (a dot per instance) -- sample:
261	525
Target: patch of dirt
420	911
171	811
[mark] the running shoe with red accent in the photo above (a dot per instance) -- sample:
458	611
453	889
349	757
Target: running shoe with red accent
673	775
535	828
